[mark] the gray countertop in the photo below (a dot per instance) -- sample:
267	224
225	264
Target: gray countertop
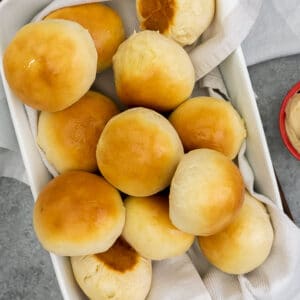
26	270
271	81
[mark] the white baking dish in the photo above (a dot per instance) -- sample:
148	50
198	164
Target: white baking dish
14	14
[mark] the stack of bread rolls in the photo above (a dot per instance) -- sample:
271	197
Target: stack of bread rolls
140	184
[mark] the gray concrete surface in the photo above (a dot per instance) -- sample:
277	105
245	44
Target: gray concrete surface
25	268
271	81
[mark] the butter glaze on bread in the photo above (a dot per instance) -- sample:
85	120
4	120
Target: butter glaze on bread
69	137
138	152
152	71
149	230
206	122
206	193
245	244
78	213
49	65
102	22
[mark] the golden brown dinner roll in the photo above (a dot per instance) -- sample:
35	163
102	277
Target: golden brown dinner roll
206	122
69	137
206	192
182	20
245	243
149	231
118	273
50	64
152	71
102	22
78	213
138	152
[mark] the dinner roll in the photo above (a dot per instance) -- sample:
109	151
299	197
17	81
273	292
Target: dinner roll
69	137
149	231
50	64
118	273
102	22
206	122
206	192
182	20
245	243
152	71
138	152
78	213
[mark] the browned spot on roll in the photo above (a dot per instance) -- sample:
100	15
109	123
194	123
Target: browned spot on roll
158	14
120	257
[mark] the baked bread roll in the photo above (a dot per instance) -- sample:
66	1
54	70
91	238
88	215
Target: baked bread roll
138	152
102	22
69	137
206	122
78	213
152	71
149	231
118	273
49	65
206	192
182	20
245	244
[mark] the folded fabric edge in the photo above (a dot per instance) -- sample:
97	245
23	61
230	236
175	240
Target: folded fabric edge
225	40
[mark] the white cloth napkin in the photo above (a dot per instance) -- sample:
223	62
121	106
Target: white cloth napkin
11	163
177	278
232	22
276	32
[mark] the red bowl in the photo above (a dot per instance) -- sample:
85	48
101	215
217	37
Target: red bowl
295	89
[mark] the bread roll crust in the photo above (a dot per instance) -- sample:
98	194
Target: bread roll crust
102	22
182	20
138	152
149	230
50	64
206	122
245	244
206	192
69	137
152	71
118	273
78	213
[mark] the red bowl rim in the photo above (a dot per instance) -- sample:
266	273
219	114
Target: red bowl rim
282	115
